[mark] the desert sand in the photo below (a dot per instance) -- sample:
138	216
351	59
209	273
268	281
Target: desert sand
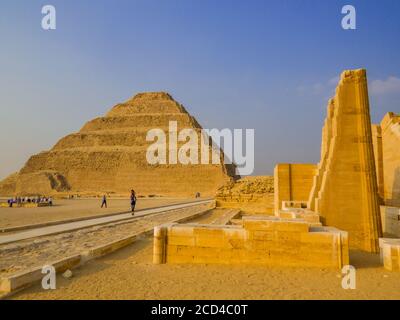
130	274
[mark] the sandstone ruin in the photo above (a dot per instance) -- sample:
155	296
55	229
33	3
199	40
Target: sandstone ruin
267	241
386	138
252	195
320	210
344	189
387	158
108	155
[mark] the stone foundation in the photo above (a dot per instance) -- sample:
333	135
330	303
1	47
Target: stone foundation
267	241
390	217
390	253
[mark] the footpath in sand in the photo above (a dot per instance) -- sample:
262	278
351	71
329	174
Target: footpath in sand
78	208
31	253
76	225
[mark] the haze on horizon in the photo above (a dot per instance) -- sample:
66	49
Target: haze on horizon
264	65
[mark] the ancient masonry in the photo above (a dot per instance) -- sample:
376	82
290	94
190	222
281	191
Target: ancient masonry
252	195
320	211
386	138
387	155
292	185
267	241
108	155
345	190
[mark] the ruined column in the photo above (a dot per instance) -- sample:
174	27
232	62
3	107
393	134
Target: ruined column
348	194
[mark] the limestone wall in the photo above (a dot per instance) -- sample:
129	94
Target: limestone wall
390	253
388	158
345	190
390	217
252	195
267	241
292	182
378	156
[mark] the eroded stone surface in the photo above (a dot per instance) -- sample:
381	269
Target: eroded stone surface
345	189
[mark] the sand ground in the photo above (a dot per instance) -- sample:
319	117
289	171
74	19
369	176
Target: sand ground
70	209
130	274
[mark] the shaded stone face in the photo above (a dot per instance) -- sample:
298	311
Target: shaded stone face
108	155
386	137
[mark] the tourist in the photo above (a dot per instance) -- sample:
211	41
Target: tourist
50	201
133	201
104	202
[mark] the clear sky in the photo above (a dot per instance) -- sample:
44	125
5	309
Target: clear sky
267	65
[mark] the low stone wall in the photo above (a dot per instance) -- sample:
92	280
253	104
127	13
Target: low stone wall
390	217
269	241
390	253
301	214
21	263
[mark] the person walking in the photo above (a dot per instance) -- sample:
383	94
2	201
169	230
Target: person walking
133	201
104	202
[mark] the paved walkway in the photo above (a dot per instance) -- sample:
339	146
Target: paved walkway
44	231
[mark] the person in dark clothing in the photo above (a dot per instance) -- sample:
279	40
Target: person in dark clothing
104	202
133	201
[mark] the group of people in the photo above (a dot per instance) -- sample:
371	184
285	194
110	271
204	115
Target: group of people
132	198
22	200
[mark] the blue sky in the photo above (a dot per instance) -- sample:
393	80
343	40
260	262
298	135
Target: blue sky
267	65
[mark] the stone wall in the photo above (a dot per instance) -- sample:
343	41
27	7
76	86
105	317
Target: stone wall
267	241
378	156
387	158
390	253
252	195
390	217
345	190
292	182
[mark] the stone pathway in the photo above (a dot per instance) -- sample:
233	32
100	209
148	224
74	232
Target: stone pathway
26	254
60	228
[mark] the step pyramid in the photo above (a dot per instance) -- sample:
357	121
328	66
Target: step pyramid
108	155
